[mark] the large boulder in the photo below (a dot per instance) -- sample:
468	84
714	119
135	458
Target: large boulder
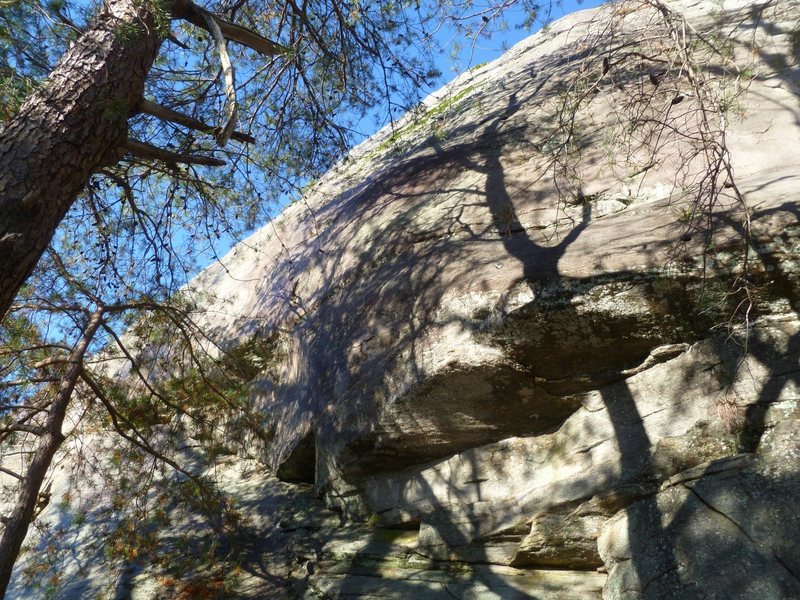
540	337
726	528
465	276
525	316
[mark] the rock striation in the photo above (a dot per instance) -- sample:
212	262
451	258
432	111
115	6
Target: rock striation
540	338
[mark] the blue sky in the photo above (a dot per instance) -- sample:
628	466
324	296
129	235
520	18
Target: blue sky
458	54
487	50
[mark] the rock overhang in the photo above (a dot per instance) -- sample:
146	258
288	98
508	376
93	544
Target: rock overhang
532	367
448	287
444	261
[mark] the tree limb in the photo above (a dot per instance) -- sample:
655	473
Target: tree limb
117	419
167	114
16	525
150	152
223	135
52	360
25	428
12	473
189	11
20	382
174	39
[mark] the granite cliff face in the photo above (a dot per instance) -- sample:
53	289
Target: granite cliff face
499	324
520	344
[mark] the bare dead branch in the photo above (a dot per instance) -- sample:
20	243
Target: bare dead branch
66	20
173	39
19	382
52	360
13	474
47	308
224	133
24	428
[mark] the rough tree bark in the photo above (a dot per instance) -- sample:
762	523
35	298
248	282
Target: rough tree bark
71	125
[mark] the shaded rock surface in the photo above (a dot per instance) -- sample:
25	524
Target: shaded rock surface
451	286
513	366
726	528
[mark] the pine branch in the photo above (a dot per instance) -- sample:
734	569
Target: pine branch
167	114
189	11
120	422
150	152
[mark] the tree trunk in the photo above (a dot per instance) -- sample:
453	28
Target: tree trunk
74	122
16	525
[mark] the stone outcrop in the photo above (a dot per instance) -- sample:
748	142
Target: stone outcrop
509	355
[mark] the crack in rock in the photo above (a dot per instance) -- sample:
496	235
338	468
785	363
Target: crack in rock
756	543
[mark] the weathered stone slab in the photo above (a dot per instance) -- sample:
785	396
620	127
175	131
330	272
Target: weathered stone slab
472	583
417	287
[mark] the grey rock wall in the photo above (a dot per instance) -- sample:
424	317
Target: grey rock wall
512	366
537	365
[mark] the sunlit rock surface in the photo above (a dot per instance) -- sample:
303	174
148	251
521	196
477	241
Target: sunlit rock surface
502	355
